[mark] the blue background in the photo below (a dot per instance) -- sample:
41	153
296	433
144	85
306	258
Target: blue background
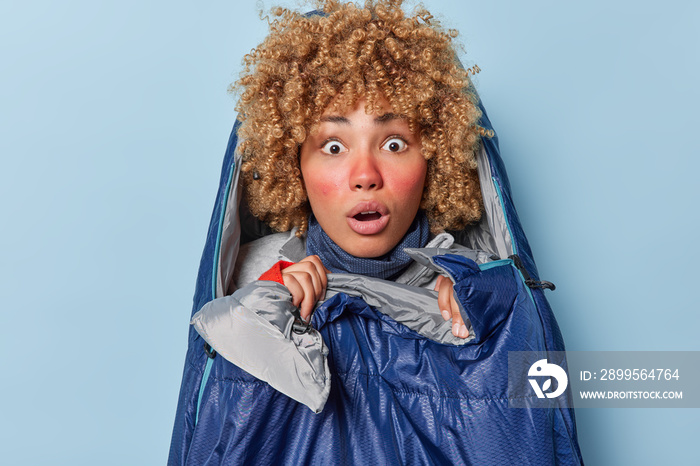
114	118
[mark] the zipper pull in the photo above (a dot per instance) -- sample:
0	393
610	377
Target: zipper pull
526	276
211	353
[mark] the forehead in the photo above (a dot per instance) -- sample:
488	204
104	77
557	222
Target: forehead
345	113
347	104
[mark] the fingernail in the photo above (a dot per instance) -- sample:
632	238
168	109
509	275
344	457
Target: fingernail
445	314
463	332
455	329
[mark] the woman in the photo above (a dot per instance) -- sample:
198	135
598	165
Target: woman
360	145
365	177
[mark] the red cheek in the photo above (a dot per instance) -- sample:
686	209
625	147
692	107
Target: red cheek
322	188
408	184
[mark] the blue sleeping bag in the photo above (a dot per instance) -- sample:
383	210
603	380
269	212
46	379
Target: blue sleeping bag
396	395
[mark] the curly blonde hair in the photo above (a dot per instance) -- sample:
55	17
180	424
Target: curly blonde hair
337	58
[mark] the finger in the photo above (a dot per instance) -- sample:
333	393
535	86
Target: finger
458	327
294	287
322	272
461	328
309	299
446	301
317	260
444	290
308	266
437	284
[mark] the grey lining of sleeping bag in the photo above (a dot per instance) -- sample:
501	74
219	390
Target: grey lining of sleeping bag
230	231
481	235
256	257
253	328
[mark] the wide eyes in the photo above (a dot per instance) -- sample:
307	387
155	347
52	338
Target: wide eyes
333	147
394	145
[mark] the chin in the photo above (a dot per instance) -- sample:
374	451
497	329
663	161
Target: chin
368	248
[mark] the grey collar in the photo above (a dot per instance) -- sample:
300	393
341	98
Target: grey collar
416	274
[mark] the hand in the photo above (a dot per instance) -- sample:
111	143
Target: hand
306	281
449	307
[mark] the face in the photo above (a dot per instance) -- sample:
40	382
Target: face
364	176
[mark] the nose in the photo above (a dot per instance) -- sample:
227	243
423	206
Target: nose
365	173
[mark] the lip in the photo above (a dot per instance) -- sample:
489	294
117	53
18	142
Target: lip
370	227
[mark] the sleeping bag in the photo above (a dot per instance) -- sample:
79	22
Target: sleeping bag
377	377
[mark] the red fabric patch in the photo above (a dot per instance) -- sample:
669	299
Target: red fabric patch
275	272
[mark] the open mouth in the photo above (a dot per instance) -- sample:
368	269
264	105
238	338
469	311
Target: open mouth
367	216
368	222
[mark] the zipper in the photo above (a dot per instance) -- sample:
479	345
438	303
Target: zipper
211	354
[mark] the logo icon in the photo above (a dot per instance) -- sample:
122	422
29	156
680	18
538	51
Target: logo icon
543	369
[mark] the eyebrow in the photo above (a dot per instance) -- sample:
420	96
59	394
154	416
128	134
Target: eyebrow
344	121
335	119
388	117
